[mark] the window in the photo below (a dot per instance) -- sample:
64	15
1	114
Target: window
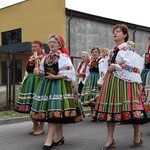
11	37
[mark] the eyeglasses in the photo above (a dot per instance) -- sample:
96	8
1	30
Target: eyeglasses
52	42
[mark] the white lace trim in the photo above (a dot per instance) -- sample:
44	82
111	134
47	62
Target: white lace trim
128	76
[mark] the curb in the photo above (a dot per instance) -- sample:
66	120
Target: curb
26	118
14	120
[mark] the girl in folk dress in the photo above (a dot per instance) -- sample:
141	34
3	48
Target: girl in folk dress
91	88
54	100
81	70
103	67
29	85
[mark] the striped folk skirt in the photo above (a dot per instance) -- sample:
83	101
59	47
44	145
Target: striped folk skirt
55	103
24	101
146	84
121	101
90	88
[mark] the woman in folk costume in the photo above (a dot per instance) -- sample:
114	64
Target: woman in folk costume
81	70
29	85
103	67
54	101
91	88
146	78
120	97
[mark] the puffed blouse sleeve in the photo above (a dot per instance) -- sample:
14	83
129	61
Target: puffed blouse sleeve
87	72
103	67
66	67
133	65
130	58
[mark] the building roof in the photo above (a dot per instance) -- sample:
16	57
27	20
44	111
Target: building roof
73	13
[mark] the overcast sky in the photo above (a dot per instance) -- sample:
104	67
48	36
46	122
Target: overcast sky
132	11
5	3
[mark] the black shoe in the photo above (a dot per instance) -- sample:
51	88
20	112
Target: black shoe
112	145
46	147
59	142
136	144
94	120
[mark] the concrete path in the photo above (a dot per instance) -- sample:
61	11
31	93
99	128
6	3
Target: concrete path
81	136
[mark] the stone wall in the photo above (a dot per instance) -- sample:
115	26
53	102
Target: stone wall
86	33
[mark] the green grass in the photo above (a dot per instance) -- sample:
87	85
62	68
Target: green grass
11	114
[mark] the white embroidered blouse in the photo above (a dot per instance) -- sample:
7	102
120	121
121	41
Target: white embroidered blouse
103	67
65	66
129	64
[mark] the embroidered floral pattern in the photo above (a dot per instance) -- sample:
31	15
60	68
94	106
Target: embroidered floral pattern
147	108
112	55
138	114
124	48
130	68
127	47
101	62
31	63
51	63
21	108
126	116
58	53
117	117
94	63
27	108
66	68
109	117
102	116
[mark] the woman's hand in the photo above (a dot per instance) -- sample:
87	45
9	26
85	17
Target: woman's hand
111	68
81	74
52	76
122	65
36	71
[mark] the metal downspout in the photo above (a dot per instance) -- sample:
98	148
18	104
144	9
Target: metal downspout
69	32
134	33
